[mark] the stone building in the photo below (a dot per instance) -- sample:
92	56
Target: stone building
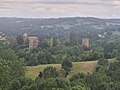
50	42
33	41
85	42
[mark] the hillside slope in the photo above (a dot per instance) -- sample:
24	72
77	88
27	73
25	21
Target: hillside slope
84	67
59	26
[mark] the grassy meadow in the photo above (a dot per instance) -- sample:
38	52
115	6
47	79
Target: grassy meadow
84	67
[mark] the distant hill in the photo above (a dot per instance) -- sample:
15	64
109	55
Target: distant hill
59	26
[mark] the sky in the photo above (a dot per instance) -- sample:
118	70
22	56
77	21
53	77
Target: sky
60	8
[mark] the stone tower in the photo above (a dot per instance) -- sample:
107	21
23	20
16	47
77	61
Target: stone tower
51	42
85	42
33	42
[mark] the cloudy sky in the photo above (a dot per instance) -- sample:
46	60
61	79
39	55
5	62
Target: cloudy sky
60	8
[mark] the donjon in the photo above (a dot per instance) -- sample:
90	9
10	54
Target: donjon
50	42
33	41
85	42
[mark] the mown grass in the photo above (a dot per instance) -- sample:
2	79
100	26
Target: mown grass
83	67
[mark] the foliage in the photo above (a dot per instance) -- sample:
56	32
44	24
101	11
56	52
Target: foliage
20	84
50	72
10	67
59	44
67	65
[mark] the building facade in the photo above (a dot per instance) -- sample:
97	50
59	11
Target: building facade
33	41
85	42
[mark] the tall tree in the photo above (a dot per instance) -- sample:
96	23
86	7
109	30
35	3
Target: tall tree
50	72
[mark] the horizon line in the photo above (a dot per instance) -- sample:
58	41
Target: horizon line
60	17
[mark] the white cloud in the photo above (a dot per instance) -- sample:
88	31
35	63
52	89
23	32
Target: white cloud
60	8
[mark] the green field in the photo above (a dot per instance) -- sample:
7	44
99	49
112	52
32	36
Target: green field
116	33
84	67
